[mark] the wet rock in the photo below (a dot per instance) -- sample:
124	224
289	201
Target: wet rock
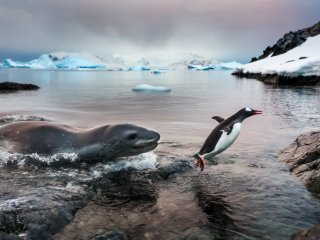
111	235
313	234
38	203
5	236
303	159
12	87
37	209
130	185
275	79
177	166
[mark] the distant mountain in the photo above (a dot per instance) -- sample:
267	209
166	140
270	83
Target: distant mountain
78	61
289	41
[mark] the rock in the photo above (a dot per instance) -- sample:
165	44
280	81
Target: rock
11	87
303	159
37	206
40	202
313	234
111	235
126	185
275	79
289	41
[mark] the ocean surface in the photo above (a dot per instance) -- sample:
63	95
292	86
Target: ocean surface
246	192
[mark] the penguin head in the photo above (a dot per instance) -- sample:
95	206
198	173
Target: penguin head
248	112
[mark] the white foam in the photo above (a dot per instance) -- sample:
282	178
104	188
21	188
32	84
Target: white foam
141	162
7	158
16	118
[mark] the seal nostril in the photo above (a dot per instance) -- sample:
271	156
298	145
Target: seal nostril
133	136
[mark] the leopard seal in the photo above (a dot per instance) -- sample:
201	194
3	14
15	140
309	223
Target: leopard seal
97	144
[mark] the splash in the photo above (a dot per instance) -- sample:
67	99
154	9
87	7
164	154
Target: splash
18	118
8	159
141	162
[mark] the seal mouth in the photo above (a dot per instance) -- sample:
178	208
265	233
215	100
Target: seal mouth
146	145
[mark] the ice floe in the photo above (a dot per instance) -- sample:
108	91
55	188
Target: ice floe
150	88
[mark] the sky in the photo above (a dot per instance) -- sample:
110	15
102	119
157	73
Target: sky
222	29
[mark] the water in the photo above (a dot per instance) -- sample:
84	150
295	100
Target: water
245	192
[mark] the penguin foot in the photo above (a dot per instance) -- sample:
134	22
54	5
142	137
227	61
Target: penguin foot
201	162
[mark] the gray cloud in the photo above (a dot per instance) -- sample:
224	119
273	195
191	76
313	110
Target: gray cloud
229	29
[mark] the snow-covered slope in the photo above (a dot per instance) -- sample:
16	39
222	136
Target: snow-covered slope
303	60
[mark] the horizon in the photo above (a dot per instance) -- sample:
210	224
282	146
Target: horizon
228	31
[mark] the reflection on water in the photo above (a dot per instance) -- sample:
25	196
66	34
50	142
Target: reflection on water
244	193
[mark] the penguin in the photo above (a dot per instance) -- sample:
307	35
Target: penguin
223	135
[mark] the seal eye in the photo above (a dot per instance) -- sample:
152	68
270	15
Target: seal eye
132	136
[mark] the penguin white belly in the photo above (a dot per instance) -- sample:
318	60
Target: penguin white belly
226	140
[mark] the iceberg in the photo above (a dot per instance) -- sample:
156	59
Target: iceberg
149	88
8	63
228	65
200	67
139	68
59	60
70	62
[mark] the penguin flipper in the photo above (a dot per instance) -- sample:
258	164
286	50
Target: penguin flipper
218	119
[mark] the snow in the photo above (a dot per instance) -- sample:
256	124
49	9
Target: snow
149	88
303	60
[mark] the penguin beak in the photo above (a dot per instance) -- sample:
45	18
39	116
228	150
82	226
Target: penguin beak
255	112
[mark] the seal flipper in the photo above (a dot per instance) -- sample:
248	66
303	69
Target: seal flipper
218	119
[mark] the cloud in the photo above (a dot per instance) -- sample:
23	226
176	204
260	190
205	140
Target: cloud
230	29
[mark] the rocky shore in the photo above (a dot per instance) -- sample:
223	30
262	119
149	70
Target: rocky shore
303	159
275	79
12	86
312	234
